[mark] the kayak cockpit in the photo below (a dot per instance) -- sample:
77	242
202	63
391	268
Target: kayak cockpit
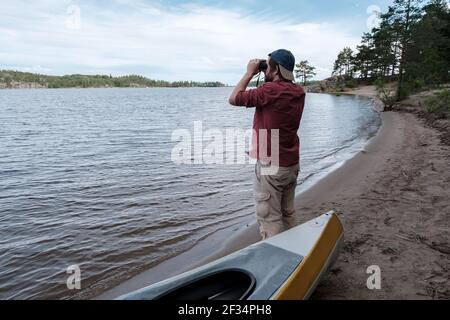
254	273
223	285
287	266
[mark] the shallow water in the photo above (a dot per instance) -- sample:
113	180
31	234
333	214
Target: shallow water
86	178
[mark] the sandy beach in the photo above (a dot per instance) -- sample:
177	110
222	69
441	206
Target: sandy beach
393	200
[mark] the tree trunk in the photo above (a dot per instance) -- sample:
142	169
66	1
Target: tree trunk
404	45
395	60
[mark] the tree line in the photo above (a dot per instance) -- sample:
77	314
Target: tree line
411	46
92	81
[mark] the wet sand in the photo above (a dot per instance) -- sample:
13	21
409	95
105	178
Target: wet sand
393	200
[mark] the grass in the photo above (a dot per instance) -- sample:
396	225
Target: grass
439	105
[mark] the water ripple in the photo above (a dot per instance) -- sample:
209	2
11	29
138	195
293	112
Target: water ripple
86	179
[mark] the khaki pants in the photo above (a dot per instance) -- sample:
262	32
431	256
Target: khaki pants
274	199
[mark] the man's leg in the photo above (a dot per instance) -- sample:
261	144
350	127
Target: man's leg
267	204
288	199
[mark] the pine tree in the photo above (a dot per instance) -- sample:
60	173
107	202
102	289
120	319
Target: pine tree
304	71
411	45
344	63
405	14
428	60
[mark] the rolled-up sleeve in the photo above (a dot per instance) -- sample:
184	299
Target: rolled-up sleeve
254	98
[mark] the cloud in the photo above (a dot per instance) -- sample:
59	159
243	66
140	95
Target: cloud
185	42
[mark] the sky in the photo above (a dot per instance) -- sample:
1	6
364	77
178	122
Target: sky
176	40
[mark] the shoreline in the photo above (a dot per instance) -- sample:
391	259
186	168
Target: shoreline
367	192
213	247
62	88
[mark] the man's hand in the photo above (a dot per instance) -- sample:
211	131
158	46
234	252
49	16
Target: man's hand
253	67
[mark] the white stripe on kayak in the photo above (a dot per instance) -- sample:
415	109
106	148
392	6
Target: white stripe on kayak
300	240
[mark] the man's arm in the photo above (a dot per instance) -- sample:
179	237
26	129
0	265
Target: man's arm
252	69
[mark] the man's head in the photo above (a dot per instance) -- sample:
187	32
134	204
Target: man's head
281	63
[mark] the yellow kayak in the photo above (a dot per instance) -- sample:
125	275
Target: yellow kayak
288	266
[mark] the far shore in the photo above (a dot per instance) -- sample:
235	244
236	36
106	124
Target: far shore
392	198
36	87
13	79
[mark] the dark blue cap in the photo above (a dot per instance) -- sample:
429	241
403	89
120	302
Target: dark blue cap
284	58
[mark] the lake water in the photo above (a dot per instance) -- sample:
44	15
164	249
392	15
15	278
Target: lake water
86	179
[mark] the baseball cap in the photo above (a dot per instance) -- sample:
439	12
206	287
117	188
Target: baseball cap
286	60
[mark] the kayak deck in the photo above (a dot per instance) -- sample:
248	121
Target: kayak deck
245	266
285	267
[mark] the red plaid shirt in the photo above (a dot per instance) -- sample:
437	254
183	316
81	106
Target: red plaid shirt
279	105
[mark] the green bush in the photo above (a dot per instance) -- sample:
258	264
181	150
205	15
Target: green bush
323	87
353	83
379	83
405	91
439	105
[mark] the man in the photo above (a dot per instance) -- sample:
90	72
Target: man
279	107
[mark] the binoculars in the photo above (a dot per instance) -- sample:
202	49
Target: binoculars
263	66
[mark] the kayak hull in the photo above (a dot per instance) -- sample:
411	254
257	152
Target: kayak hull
288	266
304	280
